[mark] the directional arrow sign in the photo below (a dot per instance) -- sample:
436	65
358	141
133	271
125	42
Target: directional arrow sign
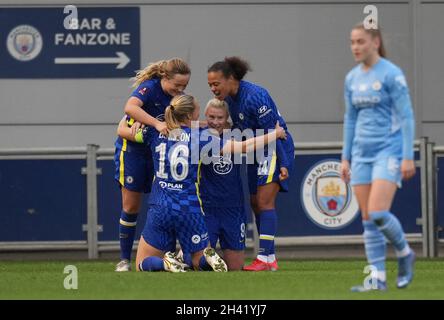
122	60
35	44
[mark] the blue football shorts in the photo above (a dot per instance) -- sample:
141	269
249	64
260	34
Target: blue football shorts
387	168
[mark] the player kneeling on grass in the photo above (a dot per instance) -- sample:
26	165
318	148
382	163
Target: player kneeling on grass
222	195
175	211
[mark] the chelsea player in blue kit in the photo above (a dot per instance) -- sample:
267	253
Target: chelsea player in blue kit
378	140
222	194
251	107
175	211
154	88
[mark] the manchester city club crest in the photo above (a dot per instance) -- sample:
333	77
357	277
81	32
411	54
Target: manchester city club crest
327	200
24	42
376	85
331	195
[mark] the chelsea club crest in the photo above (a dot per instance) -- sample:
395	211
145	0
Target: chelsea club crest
327	200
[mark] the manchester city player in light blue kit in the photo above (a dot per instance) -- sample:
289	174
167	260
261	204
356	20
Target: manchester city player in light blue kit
154	88
175	211
251	107
378	140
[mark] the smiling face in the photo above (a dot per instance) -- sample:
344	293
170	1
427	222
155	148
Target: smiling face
363	45
220	86
217	118
176	85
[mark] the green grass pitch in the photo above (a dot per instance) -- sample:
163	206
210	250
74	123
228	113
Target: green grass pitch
296	279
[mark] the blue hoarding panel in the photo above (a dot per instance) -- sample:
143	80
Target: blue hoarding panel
42	200
110	204
45	200
41	42
294	219
440	196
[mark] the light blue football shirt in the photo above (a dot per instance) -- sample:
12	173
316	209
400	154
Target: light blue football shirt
378	120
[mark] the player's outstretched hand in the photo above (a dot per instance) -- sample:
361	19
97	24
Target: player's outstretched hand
345	171
408	169
162	128
284	174
280	132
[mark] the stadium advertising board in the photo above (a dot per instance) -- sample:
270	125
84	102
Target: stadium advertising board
70	42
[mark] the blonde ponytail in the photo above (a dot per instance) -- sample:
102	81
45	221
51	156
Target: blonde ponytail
180	109
153	70
161	69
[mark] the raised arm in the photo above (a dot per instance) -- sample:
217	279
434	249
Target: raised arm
254	143
133	108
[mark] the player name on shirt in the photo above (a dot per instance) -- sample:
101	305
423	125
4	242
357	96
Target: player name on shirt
183	136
